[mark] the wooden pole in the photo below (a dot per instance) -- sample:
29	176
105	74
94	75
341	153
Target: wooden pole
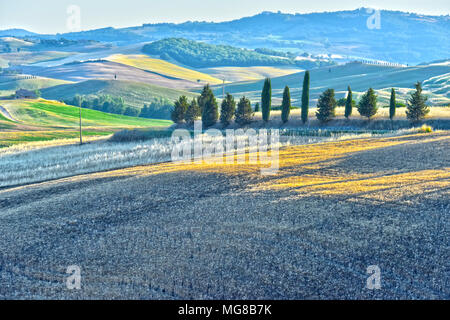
79	109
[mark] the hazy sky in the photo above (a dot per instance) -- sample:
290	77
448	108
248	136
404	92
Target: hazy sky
50	16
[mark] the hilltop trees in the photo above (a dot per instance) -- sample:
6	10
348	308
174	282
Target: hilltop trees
326	106
208	106
286	105
367	106
416	108
392	105
244	113
192	112
179	110
266	99
349	103
227	109
305	97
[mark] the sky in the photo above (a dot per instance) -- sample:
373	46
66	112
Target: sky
51	16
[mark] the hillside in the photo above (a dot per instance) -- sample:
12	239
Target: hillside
9	85
41	120
135	94
107	70
359	76
164	68
202	55
343	32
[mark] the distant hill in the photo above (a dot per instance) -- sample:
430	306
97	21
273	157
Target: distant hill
202	55
402	37
359	76
134	94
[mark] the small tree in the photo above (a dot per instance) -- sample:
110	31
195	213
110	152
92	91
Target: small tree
349	103
367	106
192	112
208	105
227	109
266	99
286	105
416	108
392	105
257	107
305	98
326	106
244	113
179	110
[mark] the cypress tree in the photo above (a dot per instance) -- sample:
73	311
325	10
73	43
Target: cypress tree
392	105
179	110
367	106
192	112
305	97
286	105
326	106
244	113
227	109
257	107
208	105
266	99
349	103
416	108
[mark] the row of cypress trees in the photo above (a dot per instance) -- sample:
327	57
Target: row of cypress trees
206	106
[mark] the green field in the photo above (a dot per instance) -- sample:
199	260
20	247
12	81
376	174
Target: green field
135	94
42	120
359	76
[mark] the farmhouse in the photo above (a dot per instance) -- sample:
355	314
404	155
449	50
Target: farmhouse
24	94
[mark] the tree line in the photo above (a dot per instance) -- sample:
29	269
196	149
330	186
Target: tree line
157	109
206	106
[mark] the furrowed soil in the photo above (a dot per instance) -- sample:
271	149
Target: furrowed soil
225	231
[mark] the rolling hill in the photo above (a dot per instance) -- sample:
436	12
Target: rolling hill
42	120
202	55
164	68
9	85
342	32
359	76
107	70
135	94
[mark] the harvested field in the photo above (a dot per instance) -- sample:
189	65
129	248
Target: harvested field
212	231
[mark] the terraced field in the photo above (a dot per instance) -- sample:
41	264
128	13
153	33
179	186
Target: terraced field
224	231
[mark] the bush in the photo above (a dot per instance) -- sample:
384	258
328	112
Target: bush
425	129
244	113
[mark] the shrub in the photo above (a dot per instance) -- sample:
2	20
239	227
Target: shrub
244	113
326	106
179	111
367	106
425	129
227	110
416	108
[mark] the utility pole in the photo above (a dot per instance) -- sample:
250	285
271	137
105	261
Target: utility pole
79	112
